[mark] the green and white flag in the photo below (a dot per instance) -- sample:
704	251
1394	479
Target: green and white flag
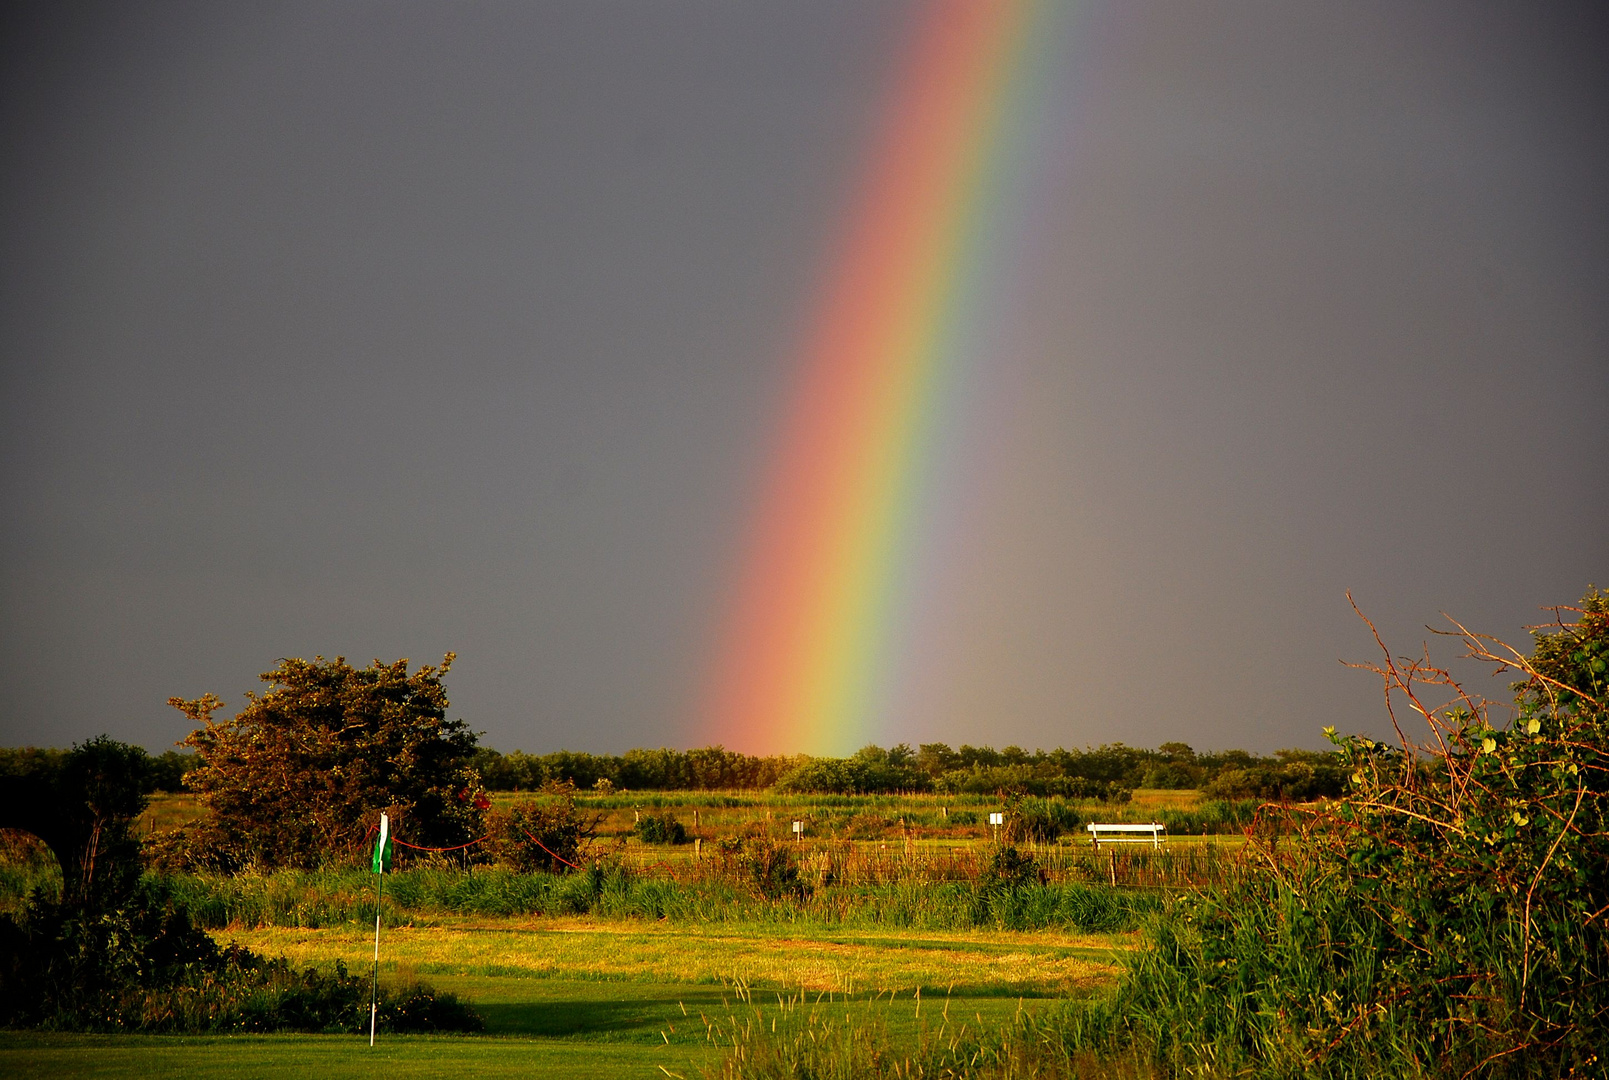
382	846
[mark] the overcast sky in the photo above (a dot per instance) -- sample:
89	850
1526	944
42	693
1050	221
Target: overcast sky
384	330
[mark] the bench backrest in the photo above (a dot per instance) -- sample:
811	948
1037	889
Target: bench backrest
1153	833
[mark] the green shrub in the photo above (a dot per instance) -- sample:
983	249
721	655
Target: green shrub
1041	780
773	868
736	894
1321	777
1039	819
660	829
1172	776
147	967
245	994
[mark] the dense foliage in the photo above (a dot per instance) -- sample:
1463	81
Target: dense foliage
297	776
82	804
146	967
870	769
749	883
161	772
1445	918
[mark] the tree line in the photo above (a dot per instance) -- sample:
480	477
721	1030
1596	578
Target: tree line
299	775
1098	772
156	772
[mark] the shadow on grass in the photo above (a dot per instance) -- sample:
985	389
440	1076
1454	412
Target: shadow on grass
595	1011
628	1020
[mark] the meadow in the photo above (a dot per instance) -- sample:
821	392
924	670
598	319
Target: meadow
894	936
661	960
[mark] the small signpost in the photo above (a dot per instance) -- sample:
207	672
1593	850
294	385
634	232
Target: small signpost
798	830
997	819
382	856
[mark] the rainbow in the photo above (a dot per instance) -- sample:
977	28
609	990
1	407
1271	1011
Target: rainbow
826	592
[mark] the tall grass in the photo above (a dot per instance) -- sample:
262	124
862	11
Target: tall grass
804	1037
313	899
1276	976
1295	972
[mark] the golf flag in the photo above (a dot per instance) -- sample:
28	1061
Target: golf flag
382	855
382	846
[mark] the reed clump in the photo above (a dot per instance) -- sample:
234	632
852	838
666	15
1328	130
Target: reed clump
803	1035
765	892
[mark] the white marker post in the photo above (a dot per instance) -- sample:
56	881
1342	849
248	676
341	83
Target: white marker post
382	855
997	820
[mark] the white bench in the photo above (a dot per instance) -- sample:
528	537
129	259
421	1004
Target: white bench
1153	833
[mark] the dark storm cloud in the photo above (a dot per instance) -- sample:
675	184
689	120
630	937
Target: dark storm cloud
392	329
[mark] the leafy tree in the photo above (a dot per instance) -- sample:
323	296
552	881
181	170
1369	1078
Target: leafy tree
296	777
1171	775
82	804
936	759
870	769
1178	753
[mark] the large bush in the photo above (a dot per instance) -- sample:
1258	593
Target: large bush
1296	776
296	778
116	952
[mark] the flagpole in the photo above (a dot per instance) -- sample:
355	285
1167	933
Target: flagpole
374	986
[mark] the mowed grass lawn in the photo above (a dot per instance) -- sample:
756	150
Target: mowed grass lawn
594	998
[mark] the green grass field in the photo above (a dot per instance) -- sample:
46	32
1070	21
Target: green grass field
597	998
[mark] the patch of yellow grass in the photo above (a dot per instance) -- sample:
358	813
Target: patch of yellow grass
168	810
1165	799
1034	964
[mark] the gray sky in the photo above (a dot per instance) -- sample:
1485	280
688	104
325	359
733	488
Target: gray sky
388	329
